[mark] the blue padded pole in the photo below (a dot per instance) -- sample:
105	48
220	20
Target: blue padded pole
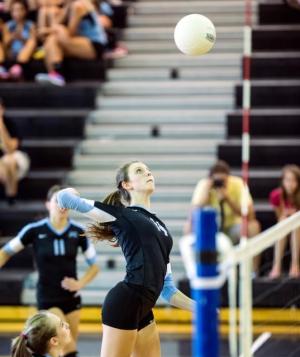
205	334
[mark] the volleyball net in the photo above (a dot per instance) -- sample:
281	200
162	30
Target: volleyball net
208	273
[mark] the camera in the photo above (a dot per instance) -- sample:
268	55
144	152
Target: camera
218	183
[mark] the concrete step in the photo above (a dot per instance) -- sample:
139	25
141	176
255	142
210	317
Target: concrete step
137	131
168	88
225	102
162	193
154	74
223	33
181	8
209	61
99	177
152	146
155	162
149	47
161	117
218	19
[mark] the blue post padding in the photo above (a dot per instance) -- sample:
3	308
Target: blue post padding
205	334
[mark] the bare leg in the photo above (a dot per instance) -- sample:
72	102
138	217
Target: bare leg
295	247
11	182
277	260
147	343
117	343
253	229
79	47
54	53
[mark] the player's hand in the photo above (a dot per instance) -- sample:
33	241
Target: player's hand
71	284
221	193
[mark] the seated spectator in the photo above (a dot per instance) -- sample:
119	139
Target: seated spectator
82	37
286	201
3	71
295	4
19	38
224	192
114	48
14	164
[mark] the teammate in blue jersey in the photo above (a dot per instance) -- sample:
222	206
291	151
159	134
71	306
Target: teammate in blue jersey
56	242
129	328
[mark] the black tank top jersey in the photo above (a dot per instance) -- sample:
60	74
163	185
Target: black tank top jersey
55	256
146	244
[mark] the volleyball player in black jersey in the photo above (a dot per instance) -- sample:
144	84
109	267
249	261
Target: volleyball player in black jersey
56	242
129	328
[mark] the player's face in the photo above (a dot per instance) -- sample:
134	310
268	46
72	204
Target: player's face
54	209
63	331
289	182
18	12
140	178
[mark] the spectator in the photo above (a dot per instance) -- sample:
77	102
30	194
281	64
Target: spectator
114	48
286	201
295	4
82	37
3	71
19	38
223	191
14	164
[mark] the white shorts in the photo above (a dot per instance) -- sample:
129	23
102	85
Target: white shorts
23	163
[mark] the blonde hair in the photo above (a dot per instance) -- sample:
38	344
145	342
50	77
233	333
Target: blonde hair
35	337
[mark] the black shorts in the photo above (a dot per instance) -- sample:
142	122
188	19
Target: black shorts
98	49
127	307
66	306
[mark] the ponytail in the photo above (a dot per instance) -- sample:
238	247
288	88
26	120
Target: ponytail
39	329
19	347
118	198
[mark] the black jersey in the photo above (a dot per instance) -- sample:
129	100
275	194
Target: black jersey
145	242
54	254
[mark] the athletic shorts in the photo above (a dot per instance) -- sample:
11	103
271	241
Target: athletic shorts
127	307
65	306
98	49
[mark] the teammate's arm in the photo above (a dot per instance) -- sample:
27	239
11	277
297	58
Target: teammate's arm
72	284
12	247
89	252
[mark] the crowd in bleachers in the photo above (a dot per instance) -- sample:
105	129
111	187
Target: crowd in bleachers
51	30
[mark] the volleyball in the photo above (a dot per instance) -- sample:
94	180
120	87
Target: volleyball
195	35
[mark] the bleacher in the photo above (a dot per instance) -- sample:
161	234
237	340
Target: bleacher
171	111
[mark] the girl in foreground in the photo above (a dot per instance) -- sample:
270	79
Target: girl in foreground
129	327
45	334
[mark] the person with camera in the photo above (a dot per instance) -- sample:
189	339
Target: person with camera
223	191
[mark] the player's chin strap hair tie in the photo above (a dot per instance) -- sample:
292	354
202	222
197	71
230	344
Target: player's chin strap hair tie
23	335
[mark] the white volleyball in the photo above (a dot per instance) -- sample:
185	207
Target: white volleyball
195	35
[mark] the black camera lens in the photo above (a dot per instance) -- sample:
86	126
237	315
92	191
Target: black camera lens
218	183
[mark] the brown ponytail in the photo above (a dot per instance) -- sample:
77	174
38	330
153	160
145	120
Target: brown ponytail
119	198
39	329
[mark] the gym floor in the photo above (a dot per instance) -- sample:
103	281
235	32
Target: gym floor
180	346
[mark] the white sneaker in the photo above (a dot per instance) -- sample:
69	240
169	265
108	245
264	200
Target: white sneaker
51	78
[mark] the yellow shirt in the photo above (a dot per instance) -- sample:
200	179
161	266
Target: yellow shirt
234	190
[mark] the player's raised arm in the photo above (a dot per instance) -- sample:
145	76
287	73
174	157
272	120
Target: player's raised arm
69	198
